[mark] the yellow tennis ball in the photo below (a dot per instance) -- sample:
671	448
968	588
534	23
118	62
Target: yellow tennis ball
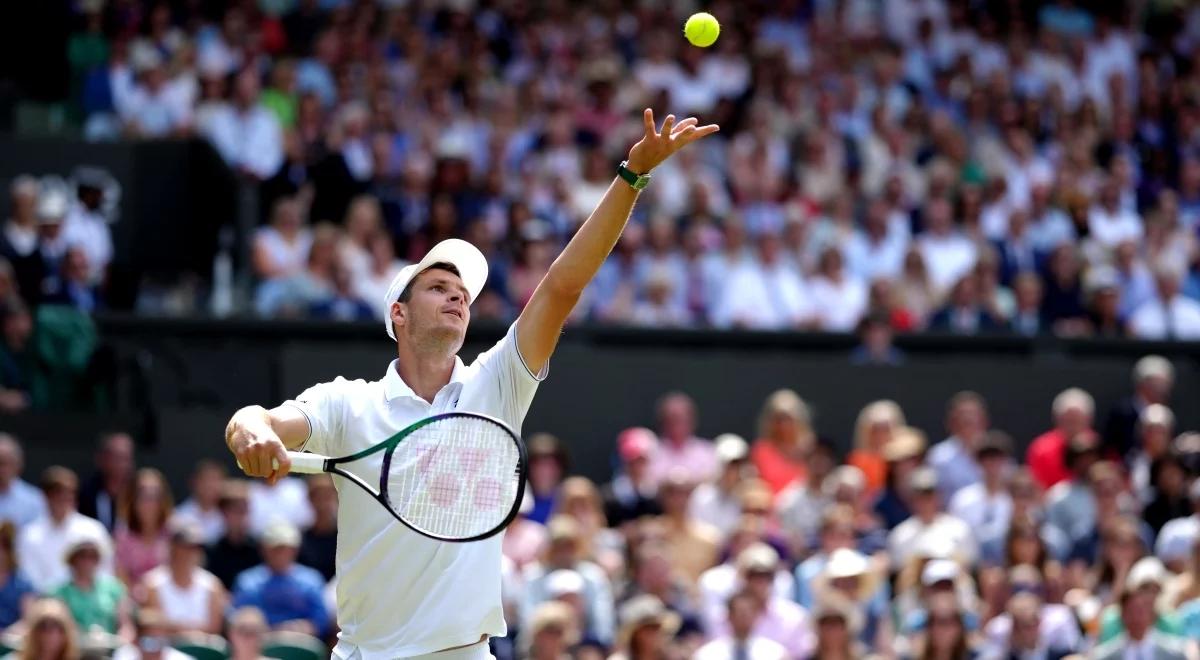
702	29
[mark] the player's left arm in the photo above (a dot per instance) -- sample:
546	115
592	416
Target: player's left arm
541	322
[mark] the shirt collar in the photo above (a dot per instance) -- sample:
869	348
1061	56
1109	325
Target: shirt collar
394	386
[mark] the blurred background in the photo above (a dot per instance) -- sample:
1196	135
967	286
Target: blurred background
939	204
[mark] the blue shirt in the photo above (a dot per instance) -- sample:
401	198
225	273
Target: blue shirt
296	594
11	594
955	466
22	504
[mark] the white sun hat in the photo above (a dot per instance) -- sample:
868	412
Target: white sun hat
471	264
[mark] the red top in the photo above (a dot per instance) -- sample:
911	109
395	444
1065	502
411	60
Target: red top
1045	458
776	469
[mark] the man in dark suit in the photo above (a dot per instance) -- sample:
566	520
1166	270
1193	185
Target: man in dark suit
104	495
1140	641
1015	250
964	314
1153	378
1027	318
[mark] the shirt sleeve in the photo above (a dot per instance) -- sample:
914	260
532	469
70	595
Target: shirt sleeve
322	404
515	384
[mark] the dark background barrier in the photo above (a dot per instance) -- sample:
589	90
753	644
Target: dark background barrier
180	381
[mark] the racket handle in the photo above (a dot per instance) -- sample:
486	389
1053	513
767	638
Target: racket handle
302	462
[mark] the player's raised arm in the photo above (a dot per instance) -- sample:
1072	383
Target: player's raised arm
542	320
258	436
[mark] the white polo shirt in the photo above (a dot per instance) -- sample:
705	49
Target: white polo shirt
400	594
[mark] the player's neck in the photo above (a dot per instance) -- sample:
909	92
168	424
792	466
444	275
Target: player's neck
426	373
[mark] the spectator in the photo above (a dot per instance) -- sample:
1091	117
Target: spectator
289	595
142	543
1062	300
382	268
1153	378
563	553
1027	317
946	637
19	240
692	544
954	459
646	629
552	632
247	628
715	502
650	571
786	439
1178	537
87	222
236	550
1183	587
20	502
964	312
580	499
928	521
839	297
1103	294
342	303
245	132
16	593
71	284
903	453
947	254
838	626
741	641
42	544
191	599
1070	505
1140	638
152	642
1169	315
281	248
201	508
1146	574
851	575
1155	429
1028	625
51	632
875	343
318	543
97	600
293	295
874	428
151	110
1046	457
837	532
286	499
986	505
763	293
105	495
524	540
678	445
17	359
633	493
547	467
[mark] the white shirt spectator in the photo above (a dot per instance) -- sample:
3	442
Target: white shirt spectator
155	113
211	523
1155	320
755	647
709	504
906	538
22	503
719	583
871	259
41	544
1058	629
184	606
288	257
988	514
89	231
947	258
23	240
785	622
1110	227
838	305
373	287
761	297
250	139
287	499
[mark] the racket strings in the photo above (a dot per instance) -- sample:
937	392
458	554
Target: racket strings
455	478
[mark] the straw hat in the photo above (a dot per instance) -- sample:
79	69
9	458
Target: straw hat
642	611
847	563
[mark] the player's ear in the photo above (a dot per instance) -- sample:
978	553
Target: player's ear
399	313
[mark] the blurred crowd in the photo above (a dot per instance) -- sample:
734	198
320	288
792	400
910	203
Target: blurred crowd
948	545
969	166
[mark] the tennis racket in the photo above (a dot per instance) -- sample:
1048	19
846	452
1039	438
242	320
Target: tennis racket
457	476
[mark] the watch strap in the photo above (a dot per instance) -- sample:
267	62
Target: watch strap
635	180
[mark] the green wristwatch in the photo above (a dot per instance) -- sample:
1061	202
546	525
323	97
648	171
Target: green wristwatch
635	180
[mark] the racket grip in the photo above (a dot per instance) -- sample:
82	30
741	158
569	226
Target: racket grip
306	463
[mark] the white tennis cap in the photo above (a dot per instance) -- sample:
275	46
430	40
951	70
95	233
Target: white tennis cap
471	264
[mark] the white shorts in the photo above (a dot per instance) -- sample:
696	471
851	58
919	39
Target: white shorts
476	651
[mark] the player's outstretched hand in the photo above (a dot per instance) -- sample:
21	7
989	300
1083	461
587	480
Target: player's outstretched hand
658	145
259	451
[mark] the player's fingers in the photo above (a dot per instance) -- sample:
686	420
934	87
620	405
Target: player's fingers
648	121
668	125
690	121
280	463
702	131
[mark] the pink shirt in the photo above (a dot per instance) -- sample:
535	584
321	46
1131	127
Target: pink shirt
785	622
136	557
697	456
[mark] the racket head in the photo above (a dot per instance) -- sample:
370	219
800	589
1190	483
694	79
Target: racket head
457	477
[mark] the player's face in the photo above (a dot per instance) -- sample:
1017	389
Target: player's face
438	308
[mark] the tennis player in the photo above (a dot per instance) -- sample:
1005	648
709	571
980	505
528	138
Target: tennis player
400	594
